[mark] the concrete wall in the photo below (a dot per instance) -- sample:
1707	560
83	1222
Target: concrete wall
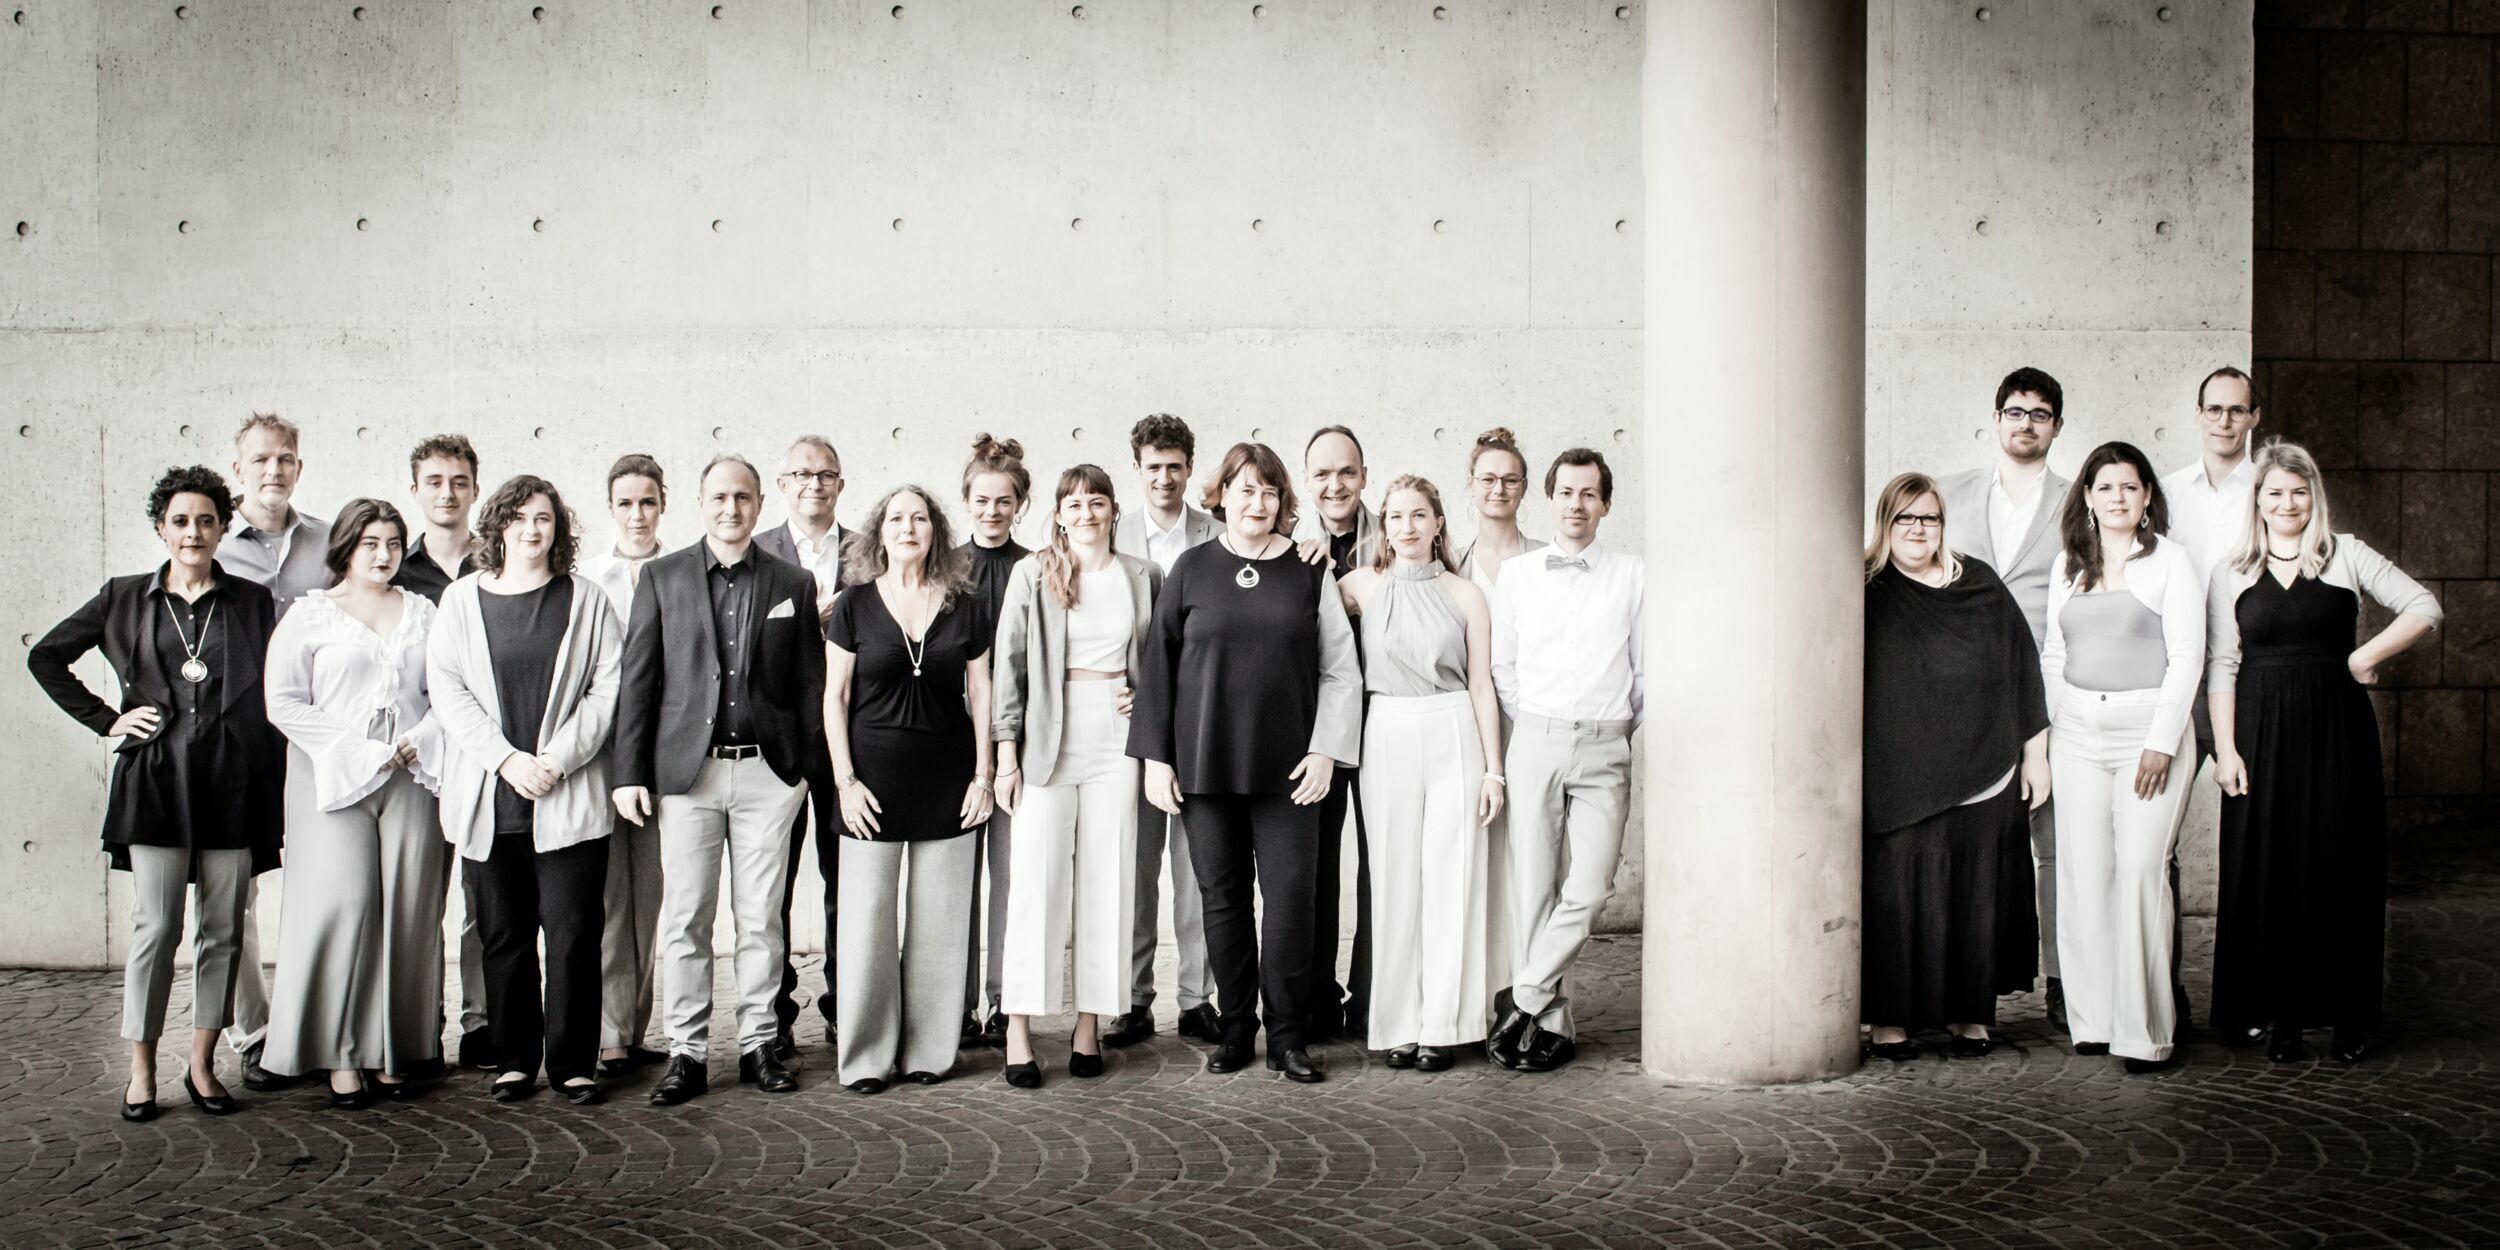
633	225
2064	185
2377	234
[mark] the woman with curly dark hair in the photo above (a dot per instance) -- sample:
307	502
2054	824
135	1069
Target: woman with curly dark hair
196	796
522	668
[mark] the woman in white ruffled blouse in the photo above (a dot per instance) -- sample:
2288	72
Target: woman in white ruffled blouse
360	965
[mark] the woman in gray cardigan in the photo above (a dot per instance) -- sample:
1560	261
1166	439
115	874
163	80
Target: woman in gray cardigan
1069	631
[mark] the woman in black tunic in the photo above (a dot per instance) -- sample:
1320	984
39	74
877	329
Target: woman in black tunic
2298	927
1956	756
997	487
199	778
1247	698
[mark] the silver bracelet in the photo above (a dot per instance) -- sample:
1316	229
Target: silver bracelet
1498	779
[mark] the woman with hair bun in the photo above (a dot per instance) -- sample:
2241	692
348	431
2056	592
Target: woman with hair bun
1497	480
195	800
996	489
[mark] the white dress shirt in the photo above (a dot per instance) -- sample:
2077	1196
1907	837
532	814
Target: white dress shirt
2009	519
2210	521
617	574
1567	641
2166	582
345	695
822	557
1165	546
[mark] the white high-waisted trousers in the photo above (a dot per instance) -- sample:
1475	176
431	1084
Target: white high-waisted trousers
1072	867
2113	870
1423	766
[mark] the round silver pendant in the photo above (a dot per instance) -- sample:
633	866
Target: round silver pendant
193	670
1247	578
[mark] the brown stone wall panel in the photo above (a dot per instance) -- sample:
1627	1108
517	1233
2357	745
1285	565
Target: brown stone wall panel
2361	305
2468	641
2401	415
2284	295
2317	405
2473	199
2390	713
2441	737
2321	206
2420	667
2444	522
2472	426
2370	505
2448	89
2478	17
2287	84
2361	86
2404	197
2308	14
2419	15
2261	197
2447	307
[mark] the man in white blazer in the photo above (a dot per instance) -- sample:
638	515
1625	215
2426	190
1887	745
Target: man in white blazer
2006	514
1165	452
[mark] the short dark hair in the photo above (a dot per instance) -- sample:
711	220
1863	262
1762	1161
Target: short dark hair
2037	383
1326	430
1270	467
728	457
1584	455
349	530
636	464
505	504
2227	371
1164	432
194	479
443	447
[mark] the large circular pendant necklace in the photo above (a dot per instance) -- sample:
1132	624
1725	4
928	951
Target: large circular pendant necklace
1248	577
193	669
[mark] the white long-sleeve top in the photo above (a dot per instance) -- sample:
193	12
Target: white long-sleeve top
2354	566
581	707
345	695
1567	641
2166	582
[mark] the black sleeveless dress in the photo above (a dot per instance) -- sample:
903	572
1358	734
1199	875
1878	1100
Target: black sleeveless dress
2300	923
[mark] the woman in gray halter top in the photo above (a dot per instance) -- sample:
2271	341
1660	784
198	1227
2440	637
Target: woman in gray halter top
1431	781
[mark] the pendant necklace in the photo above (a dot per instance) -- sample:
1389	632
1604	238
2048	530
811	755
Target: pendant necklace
193	668
1248	577
917	654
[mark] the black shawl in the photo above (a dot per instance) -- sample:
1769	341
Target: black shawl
1953	690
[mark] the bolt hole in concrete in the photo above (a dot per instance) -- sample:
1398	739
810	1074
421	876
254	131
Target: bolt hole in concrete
716	13
1440	227
2160	432
18	17
898	224
1440	14
2163	13
716	225
183	430
358	13
1078	12
898	11
362	223
538	15
182	12
25	431
1439	433
1623	12
539	433
538	224
1619	435
1984	15
716	433
2161	227
1258	11
1077	435
1256	223
1981	225
1254	434
898	434
1622	225
182	227
23	229
27	847
365	432
1076	223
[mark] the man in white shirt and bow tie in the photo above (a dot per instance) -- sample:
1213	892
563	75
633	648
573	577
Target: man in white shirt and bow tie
1567	665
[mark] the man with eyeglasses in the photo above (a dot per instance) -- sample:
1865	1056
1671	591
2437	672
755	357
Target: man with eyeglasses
811	485
2006	514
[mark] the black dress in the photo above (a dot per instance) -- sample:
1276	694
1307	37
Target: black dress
992	567
911	735
2300	921
1953	691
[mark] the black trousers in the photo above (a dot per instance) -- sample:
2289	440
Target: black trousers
1251	849
828	864
521	891
1331	1006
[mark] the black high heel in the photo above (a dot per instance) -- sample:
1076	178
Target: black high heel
1026	1075
222	1104
512	1091
141	1112
1402	1056
355	1099
1083	1066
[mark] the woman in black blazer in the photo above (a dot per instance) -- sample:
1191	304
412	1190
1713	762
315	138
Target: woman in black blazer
199	777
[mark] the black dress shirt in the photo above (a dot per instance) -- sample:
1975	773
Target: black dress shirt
733	602
420	573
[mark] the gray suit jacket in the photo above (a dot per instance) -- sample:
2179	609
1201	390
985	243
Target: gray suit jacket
1129	537
1029	663
2027	574
785	548
1366	534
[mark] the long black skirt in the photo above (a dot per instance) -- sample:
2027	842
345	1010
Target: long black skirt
1940	928
2300	923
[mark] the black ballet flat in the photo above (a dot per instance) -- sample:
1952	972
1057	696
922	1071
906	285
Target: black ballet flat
222	1104
1434	1058
356	1099
1402	1057
1970	1047
867	1085
1898	1052
1083	1066
2286	1046
924	1078
2138	1067
584	1094
512	1091
2091	1049
1024	1075
2349	1046
139	1112
401	1090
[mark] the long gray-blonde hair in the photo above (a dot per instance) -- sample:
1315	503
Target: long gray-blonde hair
947	566
2317	539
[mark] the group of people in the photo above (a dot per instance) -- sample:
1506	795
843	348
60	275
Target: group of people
2048	664
593	738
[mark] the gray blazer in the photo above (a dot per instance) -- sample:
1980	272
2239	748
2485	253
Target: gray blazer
1366	533
1031	656
1129	536
2027	575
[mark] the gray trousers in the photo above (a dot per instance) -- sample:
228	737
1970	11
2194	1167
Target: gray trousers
248	1026
741	811
159	877
1155	832
2044	876
628	950
981	975
1570	785
360	955
900	1011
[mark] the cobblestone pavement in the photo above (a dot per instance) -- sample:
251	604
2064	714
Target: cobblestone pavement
2030	1146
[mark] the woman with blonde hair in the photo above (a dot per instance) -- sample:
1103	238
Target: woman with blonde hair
2303	907
1956	757
1433	783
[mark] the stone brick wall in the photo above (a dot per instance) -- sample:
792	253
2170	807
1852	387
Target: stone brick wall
2377	233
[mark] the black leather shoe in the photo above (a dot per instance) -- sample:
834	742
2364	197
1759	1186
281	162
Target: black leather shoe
512	1091
1402	1056
2247	1034
2349	1045
477	1050
1434	1058
2285	1046
924	1078
2138	1067
1969	1047
764	1070
1548	1052
1507	1044
1901	1051
256	1077
1134	1026
1295	1063
355	1099
1203	1023
1023	1075
2089	1049
687	1077
1230	1055
867	1085
2056	997
221	1104
583	1094
969	1036
1083	1066
994	1031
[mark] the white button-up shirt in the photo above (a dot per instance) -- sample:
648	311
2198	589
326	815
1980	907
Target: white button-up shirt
2210	521
617	574
1165	546
2009	519
822	557
1567	641
344	696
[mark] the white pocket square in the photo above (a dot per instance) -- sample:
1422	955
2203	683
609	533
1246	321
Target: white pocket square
780	610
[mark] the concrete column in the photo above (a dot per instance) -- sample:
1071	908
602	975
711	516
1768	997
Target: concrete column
1753	144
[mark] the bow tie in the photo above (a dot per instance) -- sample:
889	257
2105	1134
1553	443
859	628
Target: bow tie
1566	562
